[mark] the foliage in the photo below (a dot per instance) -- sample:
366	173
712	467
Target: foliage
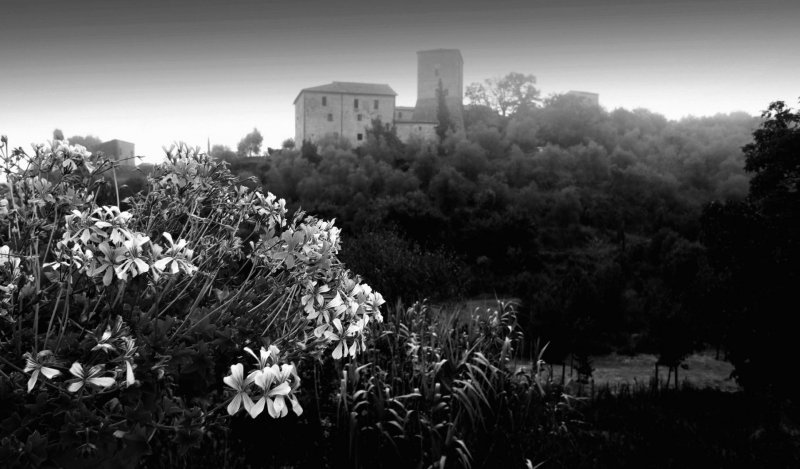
250	144
444	122
222	152
635	426
436	275
755	249
590	217
508	95
117	326
440	391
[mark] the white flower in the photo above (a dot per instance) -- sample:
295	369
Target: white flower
35	366
239	384
92	377
104	343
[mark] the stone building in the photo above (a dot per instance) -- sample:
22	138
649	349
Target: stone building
341	109
118	150
346	109
592	99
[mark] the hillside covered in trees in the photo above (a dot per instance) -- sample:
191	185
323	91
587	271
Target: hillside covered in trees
591	218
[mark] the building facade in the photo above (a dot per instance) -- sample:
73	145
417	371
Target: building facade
346	109
592	99
342	110
117	150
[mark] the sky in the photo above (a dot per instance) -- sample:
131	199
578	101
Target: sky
158	72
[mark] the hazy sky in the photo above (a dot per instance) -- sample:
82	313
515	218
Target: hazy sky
154	72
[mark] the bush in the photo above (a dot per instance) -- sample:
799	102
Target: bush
124	333
401	269
118	326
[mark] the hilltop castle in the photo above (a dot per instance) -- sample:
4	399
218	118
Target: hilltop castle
346	109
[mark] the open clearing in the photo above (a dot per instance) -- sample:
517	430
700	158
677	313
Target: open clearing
704	371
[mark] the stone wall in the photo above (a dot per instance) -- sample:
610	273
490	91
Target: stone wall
341	115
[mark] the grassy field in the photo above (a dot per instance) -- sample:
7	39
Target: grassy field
703	372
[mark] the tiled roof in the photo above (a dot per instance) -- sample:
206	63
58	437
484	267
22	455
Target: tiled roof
344	87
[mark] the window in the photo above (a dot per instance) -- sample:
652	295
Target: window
324	100
330	117
375	104
399	115
360	137
355	103
359	117
420	127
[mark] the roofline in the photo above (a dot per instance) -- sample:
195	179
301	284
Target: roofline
457	51
308	90
116	140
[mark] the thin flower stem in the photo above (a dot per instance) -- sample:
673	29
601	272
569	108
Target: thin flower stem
223	305
66	308
52	315
116	186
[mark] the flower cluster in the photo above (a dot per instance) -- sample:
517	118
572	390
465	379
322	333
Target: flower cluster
100	244
271	384
67	158
341	314
336	304
183	168
9	275
115	342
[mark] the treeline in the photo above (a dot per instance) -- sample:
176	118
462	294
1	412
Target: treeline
591	218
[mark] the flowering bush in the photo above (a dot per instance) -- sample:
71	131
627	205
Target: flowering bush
118	322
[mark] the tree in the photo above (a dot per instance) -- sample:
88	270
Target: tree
222	152
508	95
251	144
755	248
445	123
58	135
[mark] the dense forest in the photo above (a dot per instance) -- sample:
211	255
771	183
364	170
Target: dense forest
630	234
616	231
590	218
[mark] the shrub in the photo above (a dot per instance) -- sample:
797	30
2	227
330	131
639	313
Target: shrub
119	325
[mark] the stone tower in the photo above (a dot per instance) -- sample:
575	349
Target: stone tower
435	65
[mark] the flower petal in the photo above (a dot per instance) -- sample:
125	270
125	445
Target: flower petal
129	378
32	381
248	403
50	373
105	382
295	405
281	390
258	407
75	385
77	370
235	403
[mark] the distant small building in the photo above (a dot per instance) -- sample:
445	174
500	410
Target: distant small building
407	126
346	109
589	98
118	150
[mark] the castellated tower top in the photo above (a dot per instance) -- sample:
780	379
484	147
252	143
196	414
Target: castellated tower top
440	64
